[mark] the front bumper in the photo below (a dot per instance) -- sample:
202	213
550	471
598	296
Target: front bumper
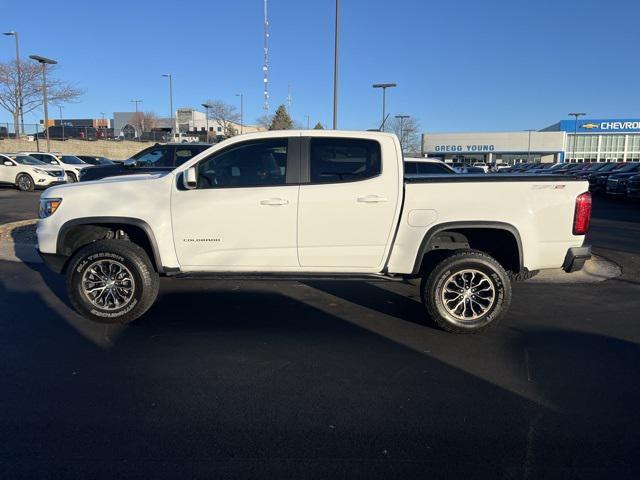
575	259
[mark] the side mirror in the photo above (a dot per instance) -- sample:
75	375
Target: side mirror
7	163
54	162
190	179
131	163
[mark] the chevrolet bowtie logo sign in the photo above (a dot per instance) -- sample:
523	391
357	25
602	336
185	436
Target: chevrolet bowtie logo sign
589	126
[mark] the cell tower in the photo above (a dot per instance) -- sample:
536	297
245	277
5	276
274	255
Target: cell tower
265	66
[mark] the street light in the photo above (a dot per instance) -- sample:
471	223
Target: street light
60	107
13	33
307	117
575	130
335	67
136	102
206	115
241	95
384	87
104	125
529	145
402	118
168	75
44	62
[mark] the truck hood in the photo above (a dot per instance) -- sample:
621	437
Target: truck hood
119	180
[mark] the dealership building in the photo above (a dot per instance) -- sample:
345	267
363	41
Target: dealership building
590	140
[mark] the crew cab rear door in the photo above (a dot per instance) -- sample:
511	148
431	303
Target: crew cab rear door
349	203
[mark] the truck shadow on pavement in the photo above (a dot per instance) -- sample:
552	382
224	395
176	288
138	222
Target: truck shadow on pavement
257	381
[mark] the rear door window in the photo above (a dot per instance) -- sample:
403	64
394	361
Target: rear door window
335	160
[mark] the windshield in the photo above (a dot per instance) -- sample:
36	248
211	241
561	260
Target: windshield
27	160
607	167
631	167
71	160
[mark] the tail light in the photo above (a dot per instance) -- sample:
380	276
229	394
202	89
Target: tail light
582	214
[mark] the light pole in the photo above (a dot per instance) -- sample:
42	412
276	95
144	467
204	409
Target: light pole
206	116
104	124
402	119
529	145
61	124
575	131
384	87
335	67
241	95
173	125
307	117
20	115
136	102
44	62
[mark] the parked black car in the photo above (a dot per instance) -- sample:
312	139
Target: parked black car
67	132
617	184
633	187
157	158
95	160
598	180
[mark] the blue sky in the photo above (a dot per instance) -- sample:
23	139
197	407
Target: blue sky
460	65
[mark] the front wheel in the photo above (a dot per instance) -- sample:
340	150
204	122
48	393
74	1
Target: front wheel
25	183
111	281
467	292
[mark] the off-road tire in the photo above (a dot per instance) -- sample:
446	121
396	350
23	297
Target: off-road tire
25	183
134	258
433	285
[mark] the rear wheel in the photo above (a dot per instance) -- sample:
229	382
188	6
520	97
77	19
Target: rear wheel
467	292
111	281
25	183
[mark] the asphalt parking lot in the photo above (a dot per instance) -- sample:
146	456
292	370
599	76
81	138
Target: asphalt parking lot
322	379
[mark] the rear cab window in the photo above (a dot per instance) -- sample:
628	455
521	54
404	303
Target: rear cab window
335	160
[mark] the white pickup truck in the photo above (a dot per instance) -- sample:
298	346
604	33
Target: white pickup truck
312	204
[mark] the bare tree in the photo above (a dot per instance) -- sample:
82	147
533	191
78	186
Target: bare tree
408	132
265	121
225	115
58	92
144	121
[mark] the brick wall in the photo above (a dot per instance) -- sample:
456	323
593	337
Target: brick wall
110	149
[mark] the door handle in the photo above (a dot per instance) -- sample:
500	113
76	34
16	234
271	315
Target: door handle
274	201
372	199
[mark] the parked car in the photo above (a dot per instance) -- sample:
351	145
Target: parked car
473	169
597	167
633	187
327	205
617	183
598	181
157	158
4	132
482	165
71	164
67	132
426	166
95	160
459	167
28	173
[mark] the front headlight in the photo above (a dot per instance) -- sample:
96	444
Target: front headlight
41	172
48	206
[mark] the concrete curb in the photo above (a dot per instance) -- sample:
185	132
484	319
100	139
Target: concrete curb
17	244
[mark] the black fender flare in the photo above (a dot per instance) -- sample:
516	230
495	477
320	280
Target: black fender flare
440	227
136	222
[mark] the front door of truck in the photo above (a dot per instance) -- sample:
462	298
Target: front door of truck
347	211
243	213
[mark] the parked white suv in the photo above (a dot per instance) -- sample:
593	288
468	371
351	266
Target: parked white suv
28	173
71	164
312	204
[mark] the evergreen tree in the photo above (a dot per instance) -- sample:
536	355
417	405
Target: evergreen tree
318	126
281	120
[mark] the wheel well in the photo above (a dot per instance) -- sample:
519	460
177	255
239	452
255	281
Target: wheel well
78	236
501	244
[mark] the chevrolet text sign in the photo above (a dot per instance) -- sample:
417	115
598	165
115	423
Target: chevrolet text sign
628	125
